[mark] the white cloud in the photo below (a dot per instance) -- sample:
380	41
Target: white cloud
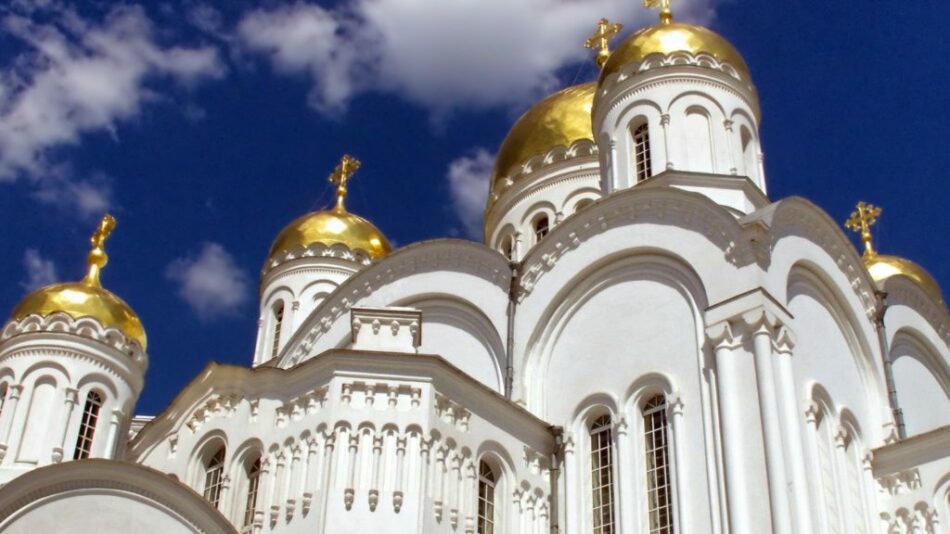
77	75
87	198
211	282
39	272
468	178
440	54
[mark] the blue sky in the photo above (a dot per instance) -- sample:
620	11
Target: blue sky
206	127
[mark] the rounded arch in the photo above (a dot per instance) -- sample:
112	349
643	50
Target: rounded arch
99	381
536	210
645	388
910	343
54	370
203	452
580	199
628	265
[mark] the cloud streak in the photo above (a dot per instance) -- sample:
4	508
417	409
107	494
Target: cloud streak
468	178
210	282
39	271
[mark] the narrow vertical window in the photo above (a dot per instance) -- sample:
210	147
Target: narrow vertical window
214	472
659	485
486	499
641	152
541	228
253	482
3	397
601	470
87	427
508	247
278	320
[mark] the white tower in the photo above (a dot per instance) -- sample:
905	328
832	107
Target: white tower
676	106
72	365
309	259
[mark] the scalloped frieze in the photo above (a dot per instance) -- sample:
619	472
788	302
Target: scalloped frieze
317	250
557	154
85	327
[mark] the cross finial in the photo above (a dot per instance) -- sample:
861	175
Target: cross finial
341	175
861	221
666	13
600	39
97	258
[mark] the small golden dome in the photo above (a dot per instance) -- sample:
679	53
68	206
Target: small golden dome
559	119
86	298
336	226
331	227
673	37
882	267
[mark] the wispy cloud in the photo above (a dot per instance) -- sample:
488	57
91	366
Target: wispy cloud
442	55
468	178
210	282
39	271
76	75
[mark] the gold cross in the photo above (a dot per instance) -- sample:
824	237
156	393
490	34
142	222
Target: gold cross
861	221
97	258
341	175
600	39
666	13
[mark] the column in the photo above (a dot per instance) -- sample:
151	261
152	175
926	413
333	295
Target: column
573	493
70	400
679	476
731	147
812	419
729	364
624	500
665	123
115	423
759	324
793	444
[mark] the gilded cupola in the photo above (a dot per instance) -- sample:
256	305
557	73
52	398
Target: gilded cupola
87	298
882	266
336	225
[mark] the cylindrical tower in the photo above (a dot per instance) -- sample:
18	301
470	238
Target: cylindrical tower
309	259
72	366
676	105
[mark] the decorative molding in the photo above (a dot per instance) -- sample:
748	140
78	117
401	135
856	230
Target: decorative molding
899	483
903	291
557	154
216	406
389	329
317	250
85	327
451	412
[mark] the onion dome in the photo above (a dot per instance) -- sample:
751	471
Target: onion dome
334	226
559	120
670	37
881	266
87	298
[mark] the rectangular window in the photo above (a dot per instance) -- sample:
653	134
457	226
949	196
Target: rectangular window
641	152
601	464
659	485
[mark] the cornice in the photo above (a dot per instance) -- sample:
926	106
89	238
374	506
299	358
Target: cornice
316	250
582	148
903	291
84	327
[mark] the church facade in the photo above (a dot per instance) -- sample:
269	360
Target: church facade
645	342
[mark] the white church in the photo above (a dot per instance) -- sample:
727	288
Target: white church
644	343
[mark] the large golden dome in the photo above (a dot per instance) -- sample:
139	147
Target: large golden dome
667	38
331	227
559	119
881	267
335	226
86	298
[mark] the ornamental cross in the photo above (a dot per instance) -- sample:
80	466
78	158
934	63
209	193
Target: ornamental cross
97	258
103	231
666	12
600	39
341	175
861	221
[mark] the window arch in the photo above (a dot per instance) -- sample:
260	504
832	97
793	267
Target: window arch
659	483
601	470
641	152
583	203
508	247
748	153
541	228
214	477
4	388
87	426
278	322
486	498
252	472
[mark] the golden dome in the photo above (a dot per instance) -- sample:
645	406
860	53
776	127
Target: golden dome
331	227
673	37
86	298
882	267
336	226
559	119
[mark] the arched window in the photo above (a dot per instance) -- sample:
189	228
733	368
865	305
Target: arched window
508	247
827	472
253	472
486	499
601	471
659	485
582	204
214	474
541	228
278	320
3	396
641	152
748	153
87	427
